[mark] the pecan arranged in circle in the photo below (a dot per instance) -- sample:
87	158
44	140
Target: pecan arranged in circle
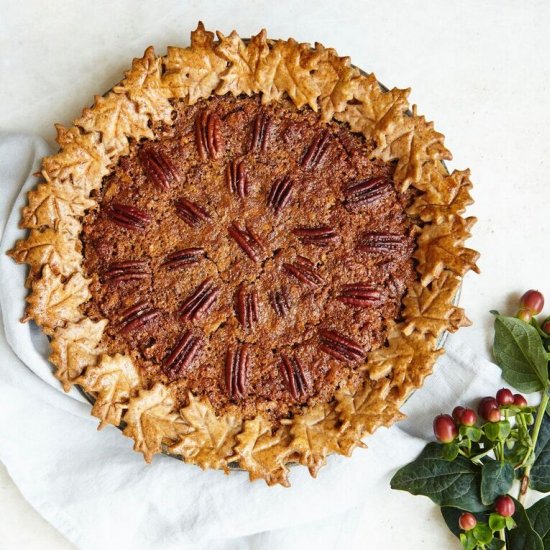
384	243
191	213
360	295
367	191
158	168
182	355
129	270
137	316
129	217
236	369
305	271
247	240
292	371
340	347
247	307
279	301
237	178
182	258
280	193
200	301
262	125
208	135
322	235
316	151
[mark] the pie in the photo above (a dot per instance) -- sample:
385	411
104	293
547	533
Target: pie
246	252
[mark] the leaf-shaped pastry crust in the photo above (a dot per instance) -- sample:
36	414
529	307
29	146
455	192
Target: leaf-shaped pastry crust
439	247
74	347
430	309
444	196
81	162
378	115
56	206
210	439
54	301
144	87
406	360
287	69
241	75
194	72
368	408
116	118
335	79
315	435
113	381
150	421
263	451
60	250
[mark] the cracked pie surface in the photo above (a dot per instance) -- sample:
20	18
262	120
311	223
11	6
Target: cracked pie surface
246	253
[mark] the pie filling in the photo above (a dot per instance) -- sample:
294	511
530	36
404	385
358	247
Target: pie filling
251	254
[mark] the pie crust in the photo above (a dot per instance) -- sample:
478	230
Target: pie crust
313	77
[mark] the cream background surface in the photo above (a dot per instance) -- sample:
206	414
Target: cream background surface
478	68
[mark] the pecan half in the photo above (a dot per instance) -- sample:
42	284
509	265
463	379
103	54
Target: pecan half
292	371
182	355
191	213
199	301
129	270
129	217
279	301
381	242
247	240
182	258
360	295
318	236
237	178
340	347
158	168
236	369
136	317
316	151
305	271
367	191
280	193
262	125
208	135
247	307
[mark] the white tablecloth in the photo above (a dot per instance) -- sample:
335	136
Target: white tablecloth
476	68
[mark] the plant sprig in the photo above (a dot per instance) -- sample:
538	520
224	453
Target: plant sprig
471	470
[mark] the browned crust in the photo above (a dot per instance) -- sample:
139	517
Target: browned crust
316	77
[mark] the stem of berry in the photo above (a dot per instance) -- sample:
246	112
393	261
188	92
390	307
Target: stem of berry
524	484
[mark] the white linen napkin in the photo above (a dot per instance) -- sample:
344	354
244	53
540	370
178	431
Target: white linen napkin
100	494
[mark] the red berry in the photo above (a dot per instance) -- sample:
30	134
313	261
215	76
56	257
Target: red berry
485	405
532	301
505	397
468	418
524	315
444	428
494	415
467	521
505	506
546	325
520	401
457	414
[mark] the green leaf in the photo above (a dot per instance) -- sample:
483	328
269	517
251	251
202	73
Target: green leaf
540	471
519	352
450	451
523	537
497	522
483	533
496	479
539	515
497	431
447	483
471	432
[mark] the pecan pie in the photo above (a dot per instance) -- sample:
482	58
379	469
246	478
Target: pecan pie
246	253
